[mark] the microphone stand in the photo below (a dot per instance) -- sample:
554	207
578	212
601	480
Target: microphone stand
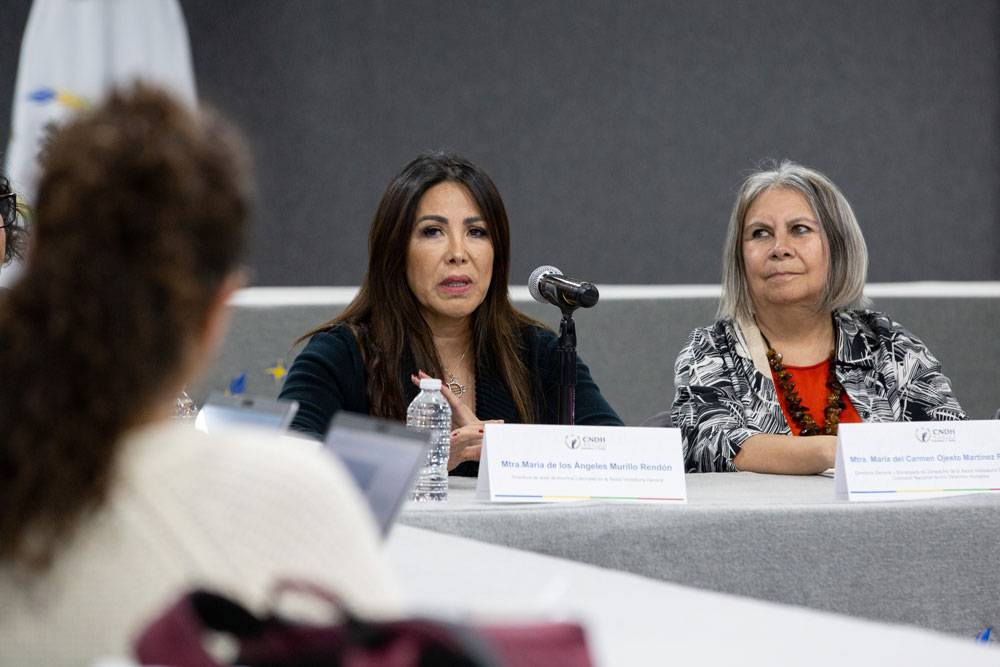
566	353
547	283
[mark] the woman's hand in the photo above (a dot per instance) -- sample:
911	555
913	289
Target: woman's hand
461	414
467	443
467	428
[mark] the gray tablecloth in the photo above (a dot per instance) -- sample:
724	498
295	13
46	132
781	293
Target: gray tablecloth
932	563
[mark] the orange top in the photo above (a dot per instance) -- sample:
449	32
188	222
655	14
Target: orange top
810	382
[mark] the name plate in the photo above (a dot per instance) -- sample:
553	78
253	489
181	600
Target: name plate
546	463
916	460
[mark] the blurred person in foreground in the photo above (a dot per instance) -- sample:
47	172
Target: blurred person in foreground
435	301
107	510
794	352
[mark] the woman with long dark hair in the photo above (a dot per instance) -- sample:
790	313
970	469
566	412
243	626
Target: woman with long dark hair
435	301
108	512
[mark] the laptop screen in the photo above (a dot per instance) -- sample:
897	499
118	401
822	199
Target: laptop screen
382	456
222	412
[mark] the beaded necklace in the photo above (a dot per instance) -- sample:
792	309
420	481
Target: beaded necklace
799	413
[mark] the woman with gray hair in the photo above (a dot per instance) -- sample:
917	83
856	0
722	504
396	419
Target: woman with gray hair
795	352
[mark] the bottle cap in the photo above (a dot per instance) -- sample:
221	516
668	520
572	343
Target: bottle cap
430	383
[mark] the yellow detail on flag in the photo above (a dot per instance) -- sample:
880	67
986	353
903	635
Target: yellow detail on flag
278	371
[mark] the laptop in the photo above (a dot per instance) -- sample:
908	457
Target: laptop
222	412
382	456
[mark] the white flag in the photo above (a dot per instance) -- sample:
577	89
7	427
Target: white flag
73	51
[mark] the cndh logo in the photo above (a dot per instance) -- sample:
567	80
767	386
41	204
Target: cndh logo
586	442
924	434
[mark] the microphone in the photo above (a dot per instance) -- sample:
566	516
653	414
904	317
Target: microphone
547	284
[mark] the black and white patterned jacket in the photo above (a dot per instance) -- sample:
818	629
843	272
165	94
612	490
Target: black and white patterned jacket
725	393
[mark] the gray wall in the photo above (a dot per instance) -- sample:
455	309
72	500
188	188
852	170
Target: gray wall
616	131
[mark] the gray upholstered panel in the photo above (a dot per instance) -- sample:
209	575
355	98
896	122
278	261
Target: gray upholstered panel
630	345
962	334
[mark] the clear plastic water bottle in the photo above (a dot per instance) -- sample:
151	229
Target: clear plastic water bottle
429	412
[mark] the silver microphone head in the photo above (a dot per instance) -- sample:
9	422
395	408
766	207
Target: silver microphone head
536	276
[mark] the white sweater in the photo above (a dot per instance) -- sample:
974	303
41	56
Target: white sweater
234	514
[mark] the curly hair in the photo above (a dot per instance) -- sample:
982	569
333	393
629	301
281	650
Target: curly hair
16	234
139	219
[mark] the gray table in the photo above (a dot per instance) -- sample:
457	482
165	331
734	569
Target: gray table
932	563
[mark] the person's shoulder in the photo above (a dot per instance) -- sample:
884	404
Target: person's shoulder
719	332
724	327
709	342
875	329
338	334
336	341
872	323
280	506
536	334
539	341
183	460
